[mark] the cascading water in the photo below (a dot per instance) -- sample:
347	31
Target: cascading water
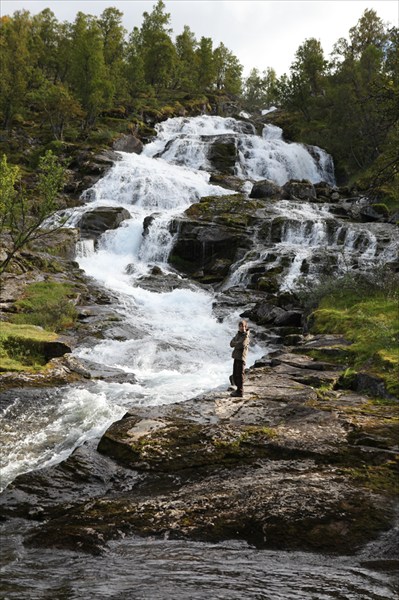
186	141
178	348
175	348
270	157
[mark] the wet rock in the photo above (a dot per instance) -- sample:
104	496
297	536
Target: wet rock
200	247
93	370
53	490
265	189
128	143
159	282
231	182
95	222
148	221
222	154
265	313
374	213
299	190
268	506
88	168
55	373
273	468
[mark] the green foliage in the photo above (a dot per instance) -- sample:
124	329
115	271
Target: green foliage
57	103
65	76
48	305
260	90
365	311
23	212
16	66
21	347
88	74
350	106
228	70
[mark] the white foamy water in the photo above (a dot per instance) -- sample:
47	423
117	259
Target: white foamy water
171	341
178	348
186	141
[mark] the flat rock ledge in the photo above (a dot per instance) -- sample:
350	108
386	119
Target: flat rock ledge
291	465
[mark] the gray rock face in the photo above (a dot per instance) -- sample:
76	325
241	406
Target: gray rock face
299	190
223	154
205	248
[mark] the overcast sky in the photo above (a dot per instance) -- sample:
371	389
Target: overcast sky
260	33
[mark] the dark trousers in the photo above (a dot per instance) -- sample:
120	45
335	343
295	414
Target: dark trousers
239	374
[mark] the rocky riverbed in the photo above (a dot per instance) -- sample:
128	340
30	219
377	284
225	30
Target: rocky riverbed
289	466
301	462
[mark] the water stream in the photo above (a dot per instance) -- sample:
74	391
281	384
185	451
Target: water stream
176	348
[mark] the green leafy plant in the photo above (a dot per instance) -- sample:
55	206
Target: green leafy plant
23	212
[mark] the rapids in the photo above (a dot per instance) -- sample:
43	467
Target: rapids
176	348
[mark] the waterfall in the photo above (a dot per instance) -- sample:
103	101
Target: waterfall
168	336
270	157
84	248
186	141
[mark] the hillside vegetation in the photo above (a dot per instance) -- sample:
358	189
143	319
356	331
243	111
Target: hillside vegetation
71	88
84	82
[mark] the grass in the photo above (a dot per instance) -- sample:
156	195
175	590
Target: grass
371	322
44	309
21	347
46	304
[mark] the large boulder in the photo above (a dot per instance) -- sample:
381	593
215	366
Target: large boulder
222	154
299	190
278	468
265	189
128	143
211	234
202	248
95	222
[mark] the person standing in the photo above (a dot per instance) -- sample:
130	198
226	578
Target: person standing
240	343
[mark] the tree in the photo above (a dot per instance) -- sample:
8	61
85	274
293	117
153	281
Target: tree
134	67
114	46
156	47
16	66
228	70
369	31
43	45
206	72
57	104
261	90
186	45
24	212
307	78
89	76
363	105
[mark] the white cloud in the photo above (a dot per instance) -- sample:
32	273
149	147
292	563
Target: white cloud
261	33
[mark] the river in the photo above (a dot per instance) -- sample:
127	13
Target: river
176	348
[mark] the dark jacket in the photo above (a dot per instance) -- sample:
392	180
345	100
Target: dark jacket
240	343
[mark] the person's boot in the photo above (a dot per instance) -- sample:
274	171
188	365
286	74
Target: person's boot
237	394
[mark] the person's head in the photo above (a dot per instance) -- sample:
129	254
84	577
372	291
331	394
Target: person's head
243	325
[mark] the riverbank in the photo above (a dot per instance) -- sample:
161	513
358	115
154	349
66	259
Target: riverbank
292	465
306	460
